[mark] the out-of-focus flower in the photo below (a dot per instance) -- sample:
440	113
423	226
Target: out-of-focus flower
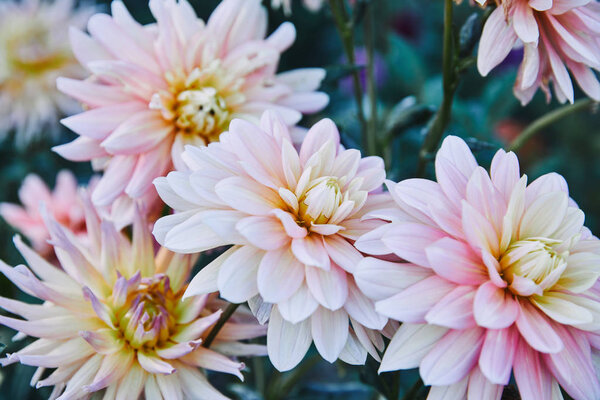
113	318
180	81
380	69
312	5
558	37
291	218
62	203
34	51
503	277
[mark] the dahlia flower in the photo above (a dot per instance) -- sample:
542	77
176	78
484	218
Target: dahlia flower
291	218
113	318
558	37
62	203
503	276
179	81
33	53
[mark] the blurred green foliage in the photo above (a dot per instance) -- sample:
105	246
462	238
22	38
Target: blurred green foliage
408	41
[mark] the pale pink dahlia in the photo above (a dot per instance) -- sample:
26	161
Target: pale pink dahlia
62	203
178	81
292	218
558	36
113	319
502	276
34	51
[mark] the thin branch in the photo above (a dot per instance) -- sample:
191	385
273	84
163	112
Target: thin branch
220	323
345	29
549	119
369	33
436	128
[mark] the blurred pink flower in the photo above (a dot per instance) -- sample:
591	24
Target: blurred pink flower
62	203
291	218
558	37
34	51
179	81
113	318
500	276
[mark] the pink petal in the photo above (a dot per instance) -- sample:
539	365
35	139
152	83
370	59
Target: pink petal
266	233
238	275
379	279
452	357
454	310
495	308
342	252
246	196
280	274
311	251
409	240
287	343
455	261
537	330
317	136
497	354
330	288
533	379
330	332
412	304
497	40
409	345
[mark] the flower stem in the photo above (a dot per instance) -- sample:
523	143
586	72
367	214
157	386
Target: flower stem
281	387
548	119
371	140
345	28
435	129
220	323
414	390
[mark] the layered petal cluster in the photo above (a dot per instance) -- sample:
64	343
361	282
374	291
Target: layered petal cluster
178	81
62	203
113	320
558	36
503	277
291	217
34	51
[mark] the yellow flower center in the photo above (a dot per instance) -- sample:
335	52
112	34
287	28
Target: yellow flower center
202	103
146	319
320	200
533	258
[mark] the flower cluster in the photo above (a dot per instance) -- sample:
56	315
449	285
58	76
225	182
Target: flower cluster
156	88
475	278
291	217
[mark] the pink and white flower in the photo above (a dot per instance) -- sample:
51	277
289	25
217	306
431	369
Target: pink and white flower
62	203
502	276
113	319
558	36
34	51
157	87
292	218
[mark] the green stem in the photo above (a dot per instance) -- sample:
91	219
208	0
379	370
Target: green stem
282	386
345	29
548	119
414	390
371	140
437	126
220	323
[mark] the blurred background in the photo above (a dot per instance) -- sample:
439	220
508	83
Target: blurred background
408	75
